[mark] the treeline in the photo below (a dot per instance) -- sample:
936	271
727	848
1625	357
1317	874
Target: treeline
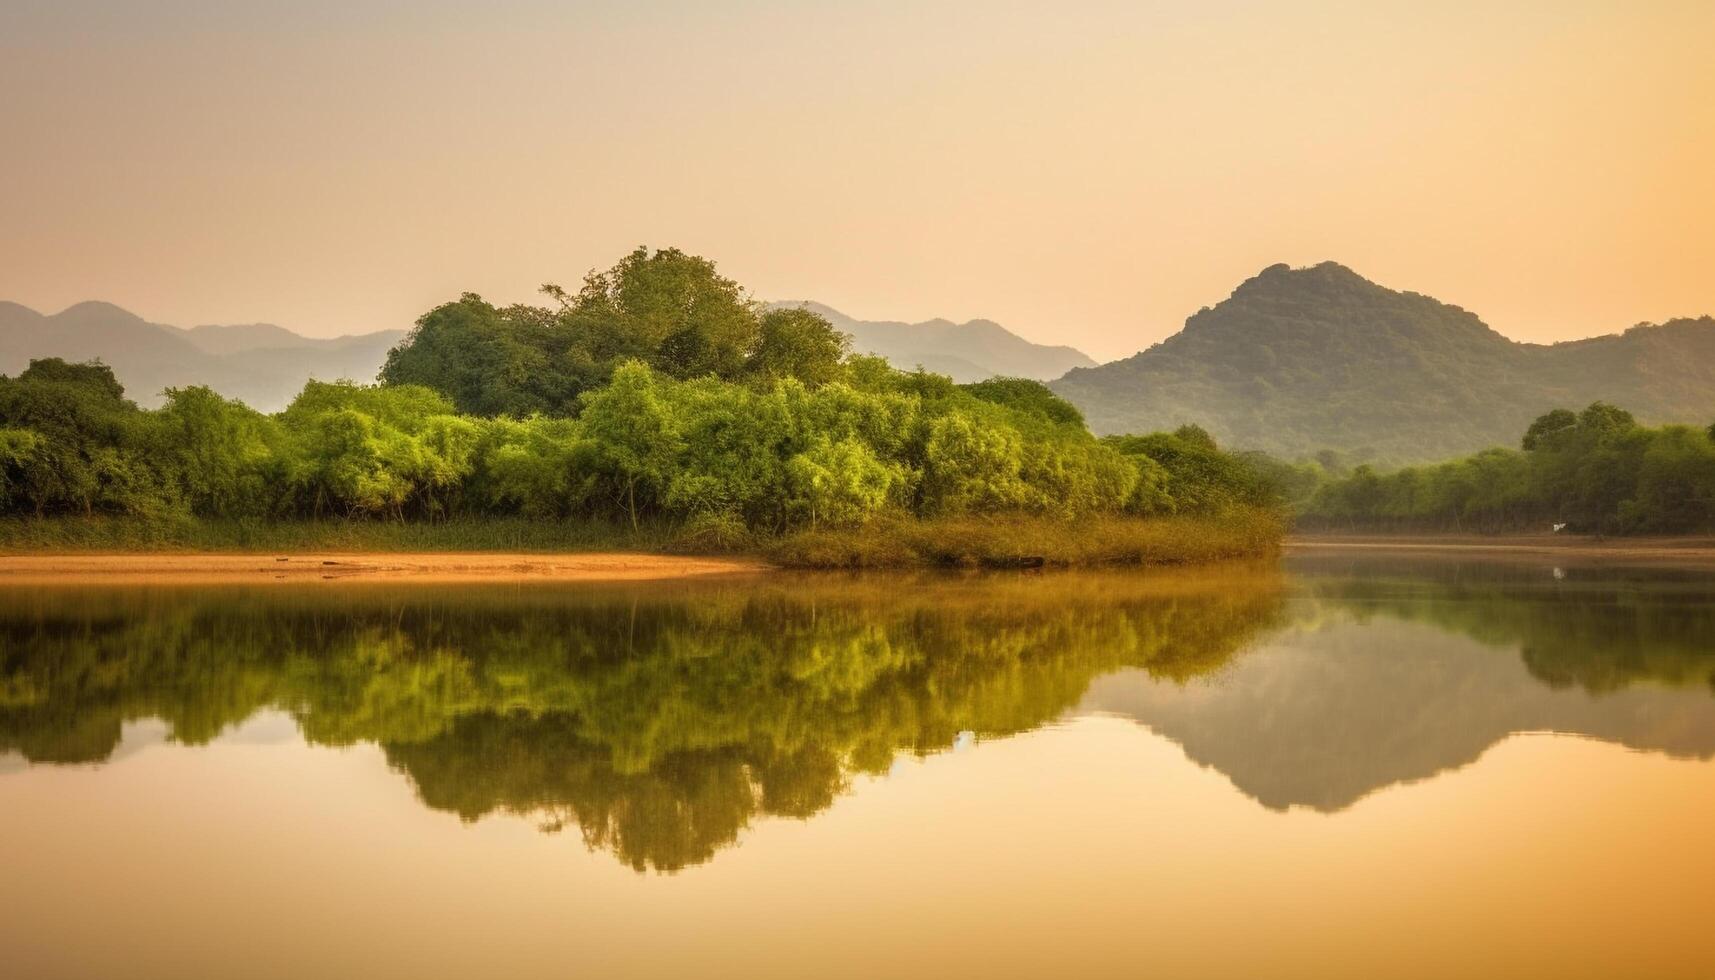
659	392
1596	471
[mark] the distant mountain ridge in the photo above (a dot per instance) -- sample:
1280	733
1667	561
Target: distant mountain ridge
1299	360
261	364
970	351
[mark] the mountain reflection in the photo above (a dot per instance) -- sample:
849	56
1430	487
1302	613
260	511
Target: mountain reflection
1393	671
657	720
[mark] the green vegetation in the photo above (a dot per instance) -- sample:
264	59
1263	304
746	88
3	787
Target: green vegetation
658	398
1595	471
1302	360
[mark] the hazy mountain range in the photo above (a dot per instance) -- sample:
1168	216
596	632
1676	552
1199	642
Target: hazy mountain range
259	363
1293	362
1299	360
969	351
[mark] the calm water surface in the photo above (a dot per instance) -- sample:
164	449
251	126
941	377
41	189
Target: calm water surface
1346	768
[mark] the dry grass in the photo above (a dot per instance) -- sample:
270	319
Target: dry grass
1013	541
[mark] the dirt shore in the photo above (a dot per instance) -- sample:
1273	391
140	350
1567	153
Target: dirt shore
179	569
1675	550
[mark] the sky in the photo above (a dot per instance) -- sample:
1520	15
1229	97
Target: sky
1084	173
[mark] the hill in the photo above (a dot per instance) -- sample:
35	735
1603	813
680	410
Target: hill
1299	360
262	364
970	351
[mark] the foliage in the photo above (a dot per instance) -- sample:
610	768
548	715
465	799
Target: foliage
671	311
1595	471
1202	478
75	445
797	344
221	450
489	361
656	396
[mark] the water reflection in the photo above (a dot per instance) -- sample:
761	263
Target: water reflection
658	721
1392	671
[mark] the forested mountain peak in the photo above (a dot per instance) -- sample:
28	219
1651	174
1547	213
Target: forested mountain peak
1329	297
1300	360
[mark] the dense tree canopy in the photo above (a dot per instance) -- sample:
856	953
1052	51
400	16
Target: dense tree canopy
669	310
658	392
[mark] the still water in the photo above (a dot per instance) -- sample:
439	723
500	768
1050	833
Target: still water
1344	768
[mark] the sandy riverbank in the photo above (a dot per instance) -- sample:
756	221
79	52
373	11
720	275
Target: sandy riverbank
1665	550
177	569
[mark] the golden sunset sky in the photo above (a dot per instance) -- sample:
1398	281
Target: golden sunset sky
1085	173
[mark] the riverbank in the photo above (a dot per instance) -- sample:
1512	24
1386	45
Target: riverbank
1684	549
447	568
502	548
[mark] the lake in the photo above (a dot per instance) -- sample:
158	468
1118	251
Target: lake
1342	767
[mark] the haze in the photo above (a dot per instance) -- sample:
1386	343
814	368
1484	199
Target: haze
1084	173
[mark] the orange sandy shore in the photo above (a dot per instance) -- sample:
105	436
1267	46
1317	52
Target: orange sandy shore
73	569
1665	550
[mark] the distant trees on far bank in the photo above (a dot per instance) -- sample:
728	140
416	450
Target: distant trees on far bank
658	392
1596	471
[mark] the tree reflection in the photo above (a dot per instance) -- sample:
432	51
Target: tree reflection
1600	630
658	720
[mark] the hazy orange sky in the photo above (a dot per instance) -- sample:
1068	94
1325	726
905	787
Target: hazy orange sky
1085	173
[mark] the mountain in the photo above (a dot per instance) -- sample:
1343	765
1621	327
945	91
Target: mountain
968	351
261	364
1299	360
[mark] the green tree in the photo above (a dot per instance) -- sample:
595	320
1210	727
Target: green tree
224	454
667	308
798	344
969	466
1548	428
17	449
1028	397
91	451
530	467
360	450
634	438
491	362
840	483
